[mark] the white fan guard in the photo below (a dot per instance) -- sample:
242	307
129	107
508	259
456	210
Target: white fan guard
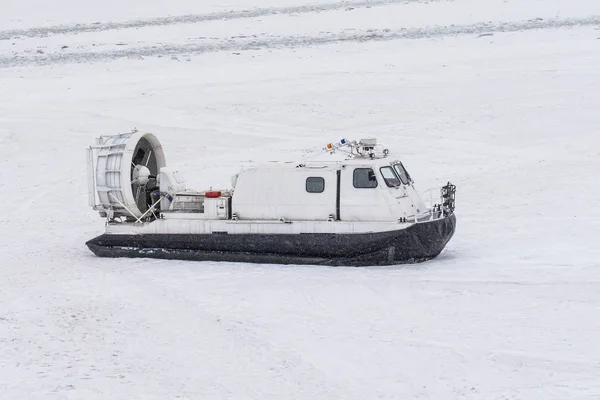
110	167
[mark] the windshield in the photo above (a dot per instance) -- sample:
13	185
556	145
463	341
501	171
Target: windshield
389	177
404	176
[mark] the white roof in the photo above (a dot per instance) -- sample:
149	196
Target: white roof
375	163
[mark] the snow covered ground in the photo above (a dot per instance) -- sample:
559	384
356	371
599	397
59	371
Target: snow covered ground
500	97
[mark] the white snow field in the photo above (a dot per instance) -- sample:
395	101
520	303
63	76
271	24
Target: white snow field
500	97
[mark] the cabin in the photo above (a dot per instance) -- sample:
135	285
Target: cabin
352	190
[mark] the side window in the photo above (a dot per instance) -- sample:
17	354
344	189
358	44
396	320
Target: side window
364	178
315	184
389	177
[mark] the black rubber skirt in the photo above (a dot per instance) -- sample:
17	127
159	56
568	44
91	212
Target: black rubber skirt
419	242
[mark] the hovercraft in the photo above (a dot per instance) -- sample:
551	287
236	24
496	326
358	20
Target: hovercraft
362	210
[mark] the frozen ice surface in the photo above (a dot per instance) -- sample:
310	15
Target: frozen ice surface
508	311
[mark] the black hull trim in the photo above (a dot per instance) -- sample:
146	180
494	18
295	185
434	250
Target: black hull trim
420	242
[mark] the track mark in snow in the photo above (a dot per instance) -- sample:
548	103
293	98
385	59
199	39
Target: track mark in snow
509	354
198	18
292	41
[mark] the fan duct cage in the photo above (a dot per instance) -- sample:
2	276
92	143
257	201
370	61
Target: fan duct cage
115	189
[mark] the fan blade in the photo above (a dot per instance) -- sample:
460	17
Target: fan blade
148	160
137	194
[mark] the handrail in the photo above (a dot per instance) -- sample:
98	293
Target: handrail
431	197
433	208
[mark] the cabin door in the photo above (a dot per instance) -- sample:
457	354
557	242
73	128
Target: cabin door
362	197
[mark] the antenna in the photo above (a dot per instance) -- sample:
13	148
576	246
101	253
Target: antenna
365	148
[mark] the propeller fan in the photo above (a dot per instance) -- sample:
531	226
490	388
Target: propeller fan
143	171
123	174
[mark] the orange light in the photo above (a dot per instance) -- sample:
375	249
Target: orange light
212	194
329	146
